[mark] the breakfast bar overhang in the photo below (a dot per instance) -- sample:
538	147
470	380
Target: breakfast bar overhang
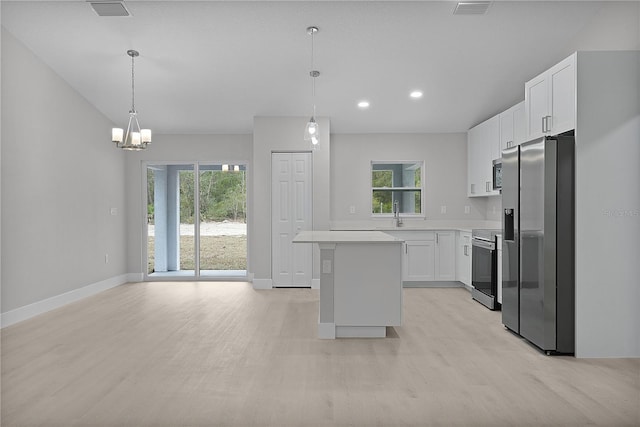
360	282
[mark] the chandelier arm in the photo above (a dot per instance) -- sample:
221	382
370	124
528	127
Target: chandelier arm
126	137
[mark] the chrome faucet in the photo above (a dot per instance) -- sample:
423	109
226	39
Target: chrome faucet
396	214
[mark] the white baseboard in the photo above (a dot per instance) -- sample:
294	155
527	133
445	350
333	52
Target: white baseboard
315	283
28	311
135	277
262	284
326	331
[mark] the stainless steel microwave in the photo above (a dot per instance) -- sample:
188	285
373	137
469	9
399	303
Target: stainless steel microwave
497	174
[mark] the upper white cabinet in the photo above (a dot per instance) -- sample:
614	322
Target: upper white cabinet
550	100
512	127
483	146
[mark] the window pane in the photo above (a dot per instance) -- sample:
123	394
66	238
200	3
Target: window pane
409	202
382	202
223	228
381	178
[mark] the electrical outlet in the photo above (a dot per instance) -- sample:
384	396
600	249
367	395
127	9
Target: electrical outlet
106	258
113	211
466	209
443	209
352	209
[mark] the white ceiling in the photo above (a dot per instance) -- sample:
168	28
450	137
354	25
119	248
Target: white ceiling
210	67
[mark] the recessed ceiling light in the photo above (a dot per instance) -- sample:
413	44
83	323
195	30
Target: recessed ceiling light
363	104
416	94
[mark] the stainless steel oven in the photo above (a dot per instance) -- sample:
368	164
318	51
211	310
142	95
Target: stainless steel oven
484	269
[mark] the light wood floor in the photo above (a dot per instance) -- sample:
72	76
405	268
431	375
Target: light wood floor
222	354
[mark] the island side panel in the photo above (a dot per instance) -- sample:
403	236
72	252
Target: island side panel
368	284
326	324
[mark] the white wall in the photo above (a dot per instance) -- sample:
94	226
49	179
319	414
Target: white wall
445	157
284	134
175	148
60	177
494	208
615	27
608	205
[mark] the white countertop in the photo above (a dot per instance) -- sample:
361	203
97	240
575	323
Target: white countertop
363	236
415	225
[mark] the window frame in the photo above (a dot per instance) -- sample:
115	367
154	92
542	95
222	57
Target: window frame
420	190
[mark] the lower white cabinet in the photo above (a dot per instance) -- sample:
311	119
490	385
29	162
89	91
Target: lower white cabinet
418	261
463	258
428	256
445	256
499	296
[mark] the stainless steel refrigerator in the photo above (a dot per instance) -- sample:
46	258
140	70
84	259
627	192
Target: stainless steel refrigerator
538	273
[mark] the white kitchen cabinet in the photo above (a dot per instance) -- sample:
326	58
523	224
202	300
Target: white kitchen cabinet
550	100
418	261
474	161
483	146
519	124
512	127
499	244
445	256
463	258
428	256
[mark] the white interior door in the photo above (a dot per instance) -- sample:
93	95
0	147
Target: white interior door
291	213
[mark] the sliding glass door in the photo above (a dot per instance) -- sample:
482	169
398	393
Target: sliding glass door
223	222
196	227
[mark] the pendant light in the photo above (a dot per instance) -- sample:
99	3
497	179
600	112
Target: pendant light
312	130
135	139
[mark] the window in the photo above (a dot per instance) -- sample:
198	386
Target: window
399	182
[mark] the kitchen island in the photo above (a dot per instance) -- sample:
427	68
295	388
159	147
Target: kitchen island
360	282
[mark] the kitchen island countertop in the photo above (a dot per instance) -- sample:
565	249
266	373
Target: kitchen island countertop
346	236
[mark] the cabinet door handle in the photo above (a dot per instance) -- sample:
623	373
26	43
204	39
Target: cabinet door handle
436	238
544	126
466	250
548	123
487	186
473	190
405	249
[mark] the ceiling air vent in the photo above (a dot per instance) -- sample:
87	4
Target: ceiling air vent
110	8
472	8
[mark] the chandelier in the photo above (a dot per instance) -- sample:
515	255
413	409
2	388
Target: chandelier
311	132
135	139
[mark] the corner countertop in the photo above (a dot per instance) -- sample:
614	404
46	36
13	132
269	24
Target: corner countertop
364	236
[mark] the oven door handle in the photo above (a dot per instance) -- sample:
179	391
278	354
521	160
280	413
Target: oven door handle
485	245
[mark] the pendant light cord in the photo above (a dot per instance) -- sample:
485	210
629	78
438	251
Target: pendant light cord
313	81
133	89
